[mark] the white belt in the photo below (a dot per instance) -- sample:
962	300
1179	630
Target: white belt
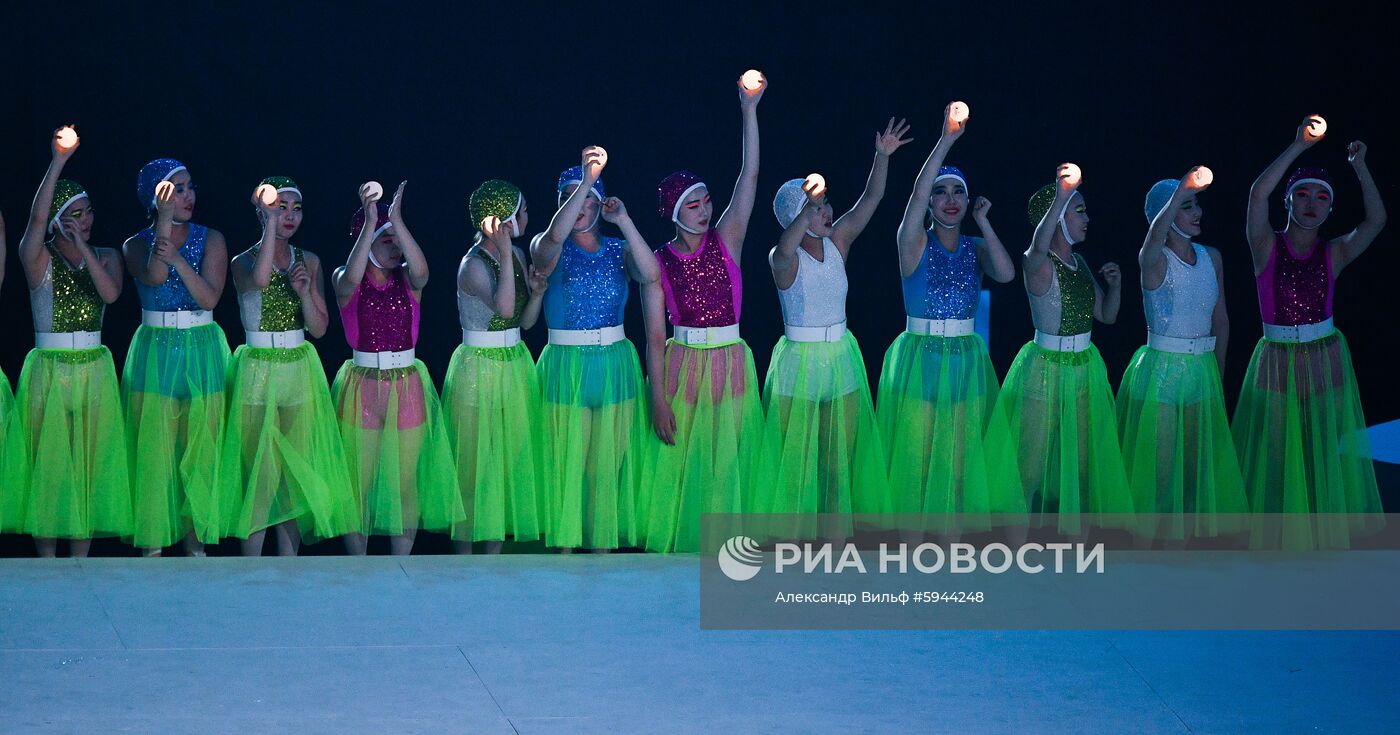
833	333
1183	345
67	340
384	360
706	335
502	338
1067	343
939	327
1299	333
578	337
177	319
286	340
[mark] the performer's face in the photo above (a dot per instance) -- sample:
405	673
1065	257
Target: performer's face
1188	217
696	209
387	250
1310	204
80	214
289	206
821	224
588	215
184	195
1077	218
949	201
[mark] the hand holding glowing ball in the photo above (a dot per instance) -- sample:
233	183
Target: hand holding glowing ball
371	192
815	186
1201	177
595	159
66	138
752	81
165	192
266	194
958	112
1069	175
1315	129
490	226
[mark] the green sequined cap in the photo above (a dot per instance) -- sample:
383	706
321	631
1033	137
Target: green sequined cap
495	198
522	293
281	183
64	193
1076	296
1040	203
76	305
281	307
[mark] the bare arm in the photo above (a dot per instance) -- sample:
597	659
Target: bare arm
1219	318
991	254
345	280
734	223
417	263
911	235
306	277
640	261
544	251
32	253
1257	228
1106	303
663	419
206	286
271	219
1151	260
846	229
1354	243
536	282
1036	260
783	258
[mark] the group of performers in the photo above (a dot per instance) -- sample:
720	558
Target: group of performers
581	450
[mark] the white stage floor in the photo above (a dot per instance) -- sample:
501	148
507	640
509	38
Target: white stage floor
610	644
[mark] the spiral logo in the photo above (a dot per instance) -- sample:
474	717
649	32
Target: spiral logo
740	559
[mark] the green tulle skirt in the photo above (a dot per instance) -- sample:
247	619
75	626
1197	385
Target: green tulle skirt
595	418
282	456
1177	449
716	462
820	439
173	392
396	442
66	467
1303	445
11	449
493	422
951	456
1060	409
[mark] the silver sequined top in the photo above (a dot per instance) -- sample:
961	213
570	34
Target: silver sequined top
1182	305
479	316
817	296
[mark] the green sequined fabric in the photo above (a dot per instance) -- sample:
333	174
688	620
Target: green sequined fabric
1076	296
281	307
76	305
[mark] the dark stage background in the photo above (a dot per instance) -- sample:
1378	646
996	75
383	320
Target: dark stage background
448	95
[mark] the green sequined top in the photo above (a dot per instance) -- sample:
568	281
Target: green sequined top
479	316
1067	307
66	300
276	308
522	295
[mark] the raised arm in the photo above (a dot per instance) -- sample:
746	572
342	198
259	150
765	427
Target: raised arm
345	280
991	254
1257	228
544	251
783	258
734	223
475	276
1354	243
911	235
417	263
852	223
149	263
639	260
1036	260
1151	260
271	215
103	264
32	253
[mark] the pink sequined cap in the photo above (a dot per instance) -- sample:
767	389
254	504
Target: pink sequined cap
670	191
382	318
357	223
703	288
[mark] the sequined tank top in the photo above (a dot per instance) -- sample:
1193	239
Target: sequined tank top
587	290
381	318
703	288
172	295
1184	302
817	296
478	315
66	300
1294	290
276	308
944	285
1067	307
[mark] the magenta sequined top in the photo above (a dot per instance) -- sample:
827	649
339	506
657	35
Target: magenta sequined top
1294	290
382	318
703	288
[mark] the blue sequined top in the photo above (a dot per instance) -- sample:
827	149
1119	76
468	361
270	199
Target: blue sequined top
945	285
172	295
587	290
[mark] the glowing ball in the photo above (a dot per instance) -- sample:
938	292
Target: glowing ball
372	190
752	80
1317	127
602	156
491	225
1202	177
1071	174
957	112
67	138
266	193
814	185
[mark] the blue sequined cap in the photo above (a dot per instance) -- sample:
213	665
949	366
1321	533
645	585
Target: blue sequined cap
151	174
